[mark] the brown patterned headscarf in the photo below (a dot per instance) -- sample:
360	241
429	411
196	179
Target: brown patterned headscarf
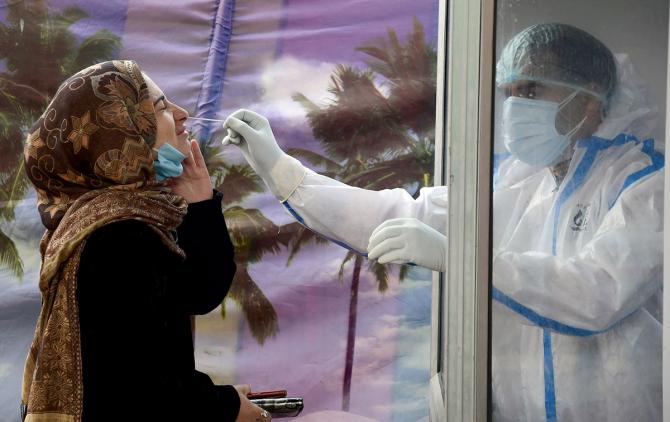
91	161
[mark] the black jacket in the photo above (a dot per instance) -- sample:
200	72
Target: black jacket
135	301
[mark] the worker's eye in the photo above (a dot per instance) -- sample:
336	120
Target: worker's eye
528	91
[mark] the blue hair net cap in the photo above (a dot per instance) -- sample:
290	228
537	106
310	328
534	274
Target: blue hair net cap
559	54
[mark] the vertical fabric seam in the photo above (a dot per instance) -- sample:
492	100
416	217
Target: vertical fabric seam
215	68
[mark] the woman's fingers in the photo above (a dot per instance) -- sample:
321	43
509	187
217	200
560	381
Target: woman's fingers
243	388
194	165
188	161
197	154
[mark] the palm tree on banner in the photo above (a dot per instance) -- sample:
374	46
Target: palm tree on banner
375	142
39	51
410	72
253	236
349	130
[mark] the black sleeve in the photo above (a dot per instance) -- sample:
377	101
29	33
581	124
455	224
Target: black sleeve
137	352
209	267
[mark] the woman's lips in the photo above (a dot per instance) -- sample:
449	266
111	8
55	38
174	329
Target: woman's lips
182	131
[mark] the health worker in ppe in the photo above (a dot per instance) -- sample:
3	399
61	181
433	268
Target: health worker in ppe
577	229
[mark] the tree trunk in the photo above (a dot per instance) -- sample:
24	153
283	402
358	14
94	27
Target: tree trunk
351	334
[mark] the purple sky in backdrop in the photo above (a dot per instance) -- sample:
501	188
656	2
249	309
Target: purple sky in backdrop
335	28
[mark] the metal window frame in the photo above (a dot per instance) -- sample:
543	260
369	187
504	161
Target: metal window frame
461	301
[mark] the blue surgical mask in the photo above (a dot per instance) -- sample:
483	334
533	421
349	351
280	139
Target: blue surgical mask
168	163
529	130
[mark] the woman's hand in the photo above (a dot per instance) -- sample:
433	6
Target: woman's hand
249	412
194	184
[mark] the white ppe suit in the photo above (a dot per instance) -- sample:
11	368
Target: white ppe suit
577	268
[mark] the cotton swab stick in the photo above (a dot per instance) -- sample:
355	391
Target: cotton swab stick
234	136
202	118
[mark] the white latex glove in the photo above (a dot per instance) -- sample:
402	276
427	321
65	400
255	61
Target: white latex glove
408	240
257	143
252	133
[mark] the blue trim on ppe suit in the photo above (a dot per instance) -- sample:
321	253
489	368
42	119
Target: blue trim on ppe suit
300	220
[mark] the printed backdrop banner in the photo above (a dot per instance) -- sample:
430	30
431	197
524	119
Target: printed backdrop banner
306	315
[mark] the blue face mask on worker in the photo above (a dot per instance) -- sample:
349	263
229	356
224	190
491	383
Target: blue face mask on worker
529	129
168	162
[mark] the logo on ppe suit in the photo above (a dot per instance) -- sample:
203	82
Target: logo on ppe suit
580	217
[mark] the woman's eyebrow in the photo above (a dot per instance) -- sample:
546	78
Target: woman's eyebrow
161	98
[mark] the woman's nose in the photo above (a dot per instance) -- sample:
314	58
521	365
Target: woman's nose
180	114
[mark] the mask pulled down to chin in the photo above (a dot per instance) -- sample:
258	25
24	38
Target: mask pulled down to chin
168	162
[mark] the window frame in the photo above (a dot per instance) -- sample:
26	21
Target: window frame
460	367
666	263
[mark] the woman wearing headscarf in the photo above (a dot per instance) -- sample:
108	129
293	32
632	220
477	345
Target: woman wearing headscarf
135	244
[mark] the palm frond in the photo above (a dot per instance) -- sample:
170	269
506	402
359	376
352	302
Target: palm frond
378	53
70	15
315	159
12	190
102	45
258	310
359	117
238	182
305	102
402	274
347	258
303	237
214	156
381	274
252	234
11	141
9	255
400	171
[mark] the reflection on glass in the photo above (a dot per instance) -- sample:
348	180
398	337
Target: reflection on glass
577	233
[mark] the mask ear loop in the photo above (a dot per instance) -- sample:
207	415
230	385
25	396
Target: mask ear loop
575	129
562	104
568	99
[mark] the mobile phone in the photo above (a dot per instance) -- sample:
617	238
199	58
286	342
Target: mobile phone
284	407
274	394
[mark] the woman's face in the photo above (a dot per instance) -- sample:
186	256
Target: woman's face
170	120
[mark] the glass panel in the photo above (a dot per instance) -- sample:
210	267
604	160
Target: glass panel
356	106
577	210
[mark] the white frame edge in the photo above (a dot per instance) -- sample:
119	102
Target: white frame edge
436	396
462	302
666	273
